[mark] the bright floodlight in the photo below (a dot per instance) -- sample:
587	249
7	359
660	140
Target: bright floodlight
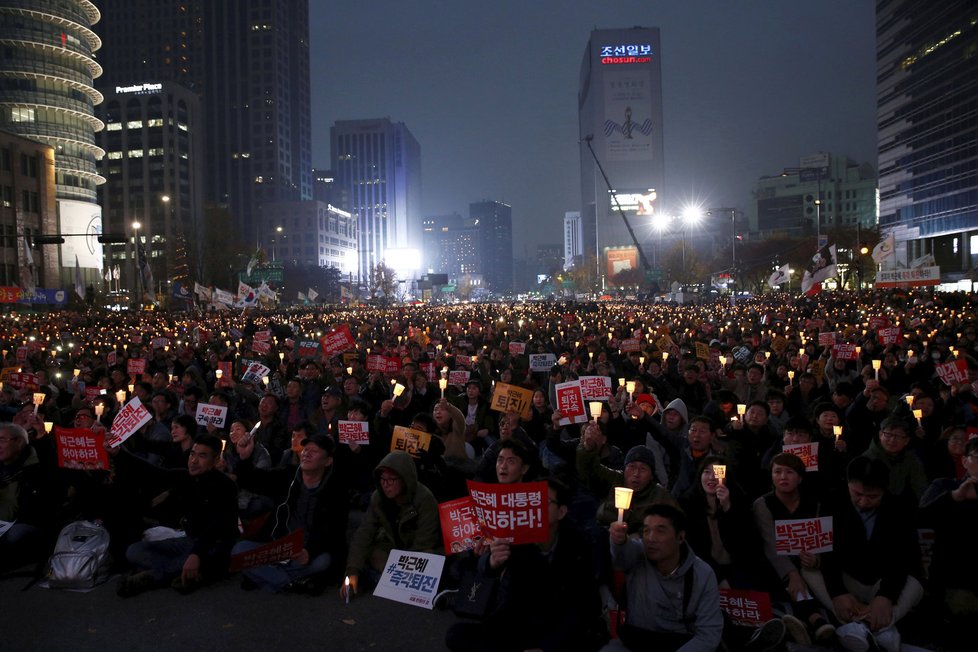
692	214
660	221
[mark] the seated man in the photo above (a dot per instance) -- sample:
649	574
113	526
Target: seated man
875	552
402	514
203	503
672	598
312	498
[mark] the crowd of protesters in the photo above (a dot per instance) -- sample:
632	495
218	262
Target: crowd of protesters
704	399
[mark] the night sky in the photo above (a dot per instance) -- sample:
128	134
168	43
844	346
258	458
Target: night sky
489	90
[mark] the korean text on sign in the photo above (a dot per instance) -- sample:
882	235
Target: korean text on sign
746	608
570	402
337	341
514	512
81	448
270	553
595	388
460	527
130	419
353	432
813	535
808	453
208	413
510	398
411	578
410	441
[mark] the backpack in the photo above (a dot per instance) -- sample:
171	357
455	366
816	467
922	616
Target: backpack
81	557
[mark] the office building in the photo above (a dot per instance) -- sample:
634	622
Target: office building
378	162
927	82
311	234
450	245
620	120
494	221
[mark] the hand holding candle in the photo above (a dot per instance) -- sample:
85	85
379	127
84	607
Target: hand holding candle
442	384
876	368
720	471
38	401
595	408
623	500
398	389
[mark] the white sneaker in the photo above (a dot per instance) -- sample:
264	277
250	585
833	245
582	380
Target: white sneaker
888	639
853	637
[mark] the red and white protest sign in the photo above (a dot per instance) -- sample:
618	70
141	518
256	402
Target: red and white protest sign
130	419
629	345
459	378
22	380
516	512
570	403
261	346
383	364
337	340
213	414
876	323
955	371
429	371
112	358
807	452
92	393
746	608
353	432
517	348
81	448
460	529
827	339
463	360
136	366
308	348
159	342
262	336
844	352
275	551
792	536
254	372
891	335
595	388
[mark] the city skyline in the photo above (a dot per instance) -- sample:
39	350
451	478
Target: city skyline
491	94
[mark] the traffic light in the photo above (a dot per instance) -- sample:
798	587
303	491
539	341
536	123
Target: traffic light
47	240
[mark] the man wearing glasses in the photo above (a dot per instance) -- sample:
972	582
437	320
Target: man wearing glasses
907	477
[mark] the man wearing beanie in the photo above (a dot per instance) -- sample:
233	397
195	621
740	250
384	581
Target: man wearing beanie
638	476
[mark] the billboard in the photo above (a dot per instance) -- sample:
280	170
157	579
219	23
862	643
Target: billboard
84	221
621	259
628	121
640	203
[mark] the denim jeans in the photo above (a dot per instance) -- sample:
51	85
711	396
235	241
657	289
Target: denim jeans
164	558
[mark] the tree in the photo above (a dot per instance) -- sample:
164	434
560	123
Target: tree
224	253
383	280
686	269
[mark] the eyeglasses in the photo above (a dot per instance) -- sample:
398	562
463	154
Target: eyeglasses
7	440
892	435
389	479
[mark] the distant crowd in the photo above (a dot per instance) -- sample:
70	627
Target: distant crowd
821	452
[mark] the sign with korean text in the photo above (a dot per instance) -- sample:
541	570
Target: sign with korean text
458	378
844	352
429	371
460	529
517	513
261	346
353	432
464	360
954	371
308	349
542	361
808	453
629	345
382	364
779	344
208	413
337	340
746	608
890	335
702	351
254	372
111	358
160	342
827	339
136	366
511	398
517	348
21	380
916	277
92	393
411	578
792	536
81	448
130	418
595	388
410	441
262	336
275	551
570	403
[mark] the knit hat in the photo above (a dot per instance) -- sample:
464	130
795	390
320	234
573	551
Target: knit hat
645	398
679	406
641	454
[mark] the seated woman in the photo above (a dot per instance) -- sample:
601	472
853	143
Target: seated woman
799	573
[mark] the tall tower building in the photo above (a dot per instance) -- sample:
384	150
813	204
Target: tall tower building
927	82
620	119
47	95
249	61
379	164
494	221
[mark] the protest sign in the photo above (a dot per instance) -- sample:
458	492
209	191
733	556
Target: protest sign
262	336
111	358
463	360
429	371
460	529
136	366
254	372
807	452
81	448
410	441
595	388
779	344
272	552
506	398
746	608
890	335
844	352
570	403
213	414
542	361
159	342
630	345
21	380
337	340
130	418
411	578
826	339
383	364
813	535
516	512
308	349
458	378
353	432
261	346
955	371
517	348
702	351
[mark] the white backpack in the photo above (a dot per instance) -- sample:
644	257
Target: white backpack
81	557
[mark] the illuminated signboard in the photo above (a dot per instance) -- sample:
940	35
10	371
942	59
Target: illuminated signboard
641	203
619	54
140	88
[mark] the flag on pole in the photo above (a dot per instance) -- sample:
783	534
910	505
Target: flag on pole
779	276
79	286
312	294
822	267
300	296
885	249
116	273
27	267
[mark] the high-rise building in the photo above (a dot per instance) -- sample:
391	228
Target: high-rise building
47	95
249	61
573	239
378	162
450	245
620	120
311	234
927	82
154	143
494	221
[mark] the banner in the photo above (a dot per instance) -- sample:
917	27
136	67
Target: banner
337	340
807	452
410	441
211	414
129	419
411	578
570	403
81	448
136	366
595	388
813	535
506	398
921	276
779	276
353	432
517	513
272	552
383	364
955	371
460	529
821	268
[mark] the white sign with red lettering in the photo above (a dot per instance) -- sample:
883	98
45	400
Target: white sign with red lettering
458	378
807	452
792	536
353	432
595	388
254	373
130	419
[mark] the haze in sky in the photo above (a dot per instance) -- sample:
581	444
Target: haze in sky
489	90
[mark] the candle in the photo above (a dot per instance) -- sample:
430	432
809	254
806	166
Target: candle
346	584
76	372
48	425
281	356
630	388
623	500
621	382
767	355
723	361
595	408
791	376
38	400
219	373
909	398
837	431
665	356
442	384
918	415
99	410
641	359
742	410
120	396
398	389
720	471
876	367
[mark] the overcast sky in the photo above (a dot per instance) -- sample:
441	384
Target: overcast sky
489	90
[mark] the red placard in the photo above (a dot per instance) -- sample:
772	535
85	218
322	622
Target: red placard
876	323
458	378
826	339
517	348
338	340
570	402
81	448
262	336
844	352
517	513
955	371
112	358
629	345
460	529
890	335
308	348
22	381
136	366
261	346
746	608
463	360
270	553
